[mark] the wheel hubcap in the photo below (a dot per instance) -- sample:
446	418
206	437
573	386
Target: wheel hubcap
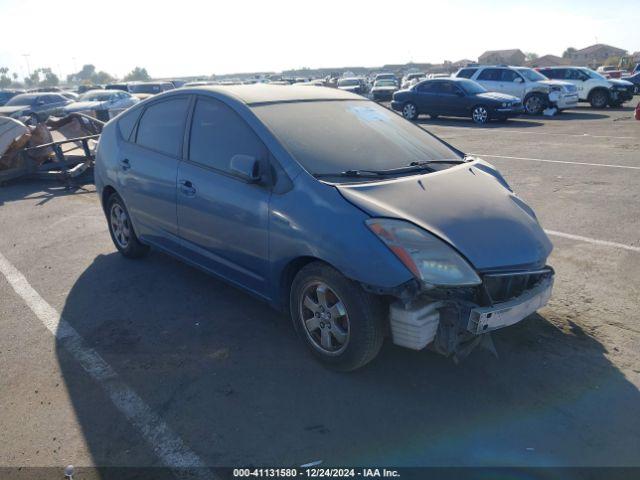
480	115
533	104
409	111
325	318
120	225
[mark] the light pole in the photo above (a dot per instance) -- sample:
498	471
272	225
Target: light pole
26	57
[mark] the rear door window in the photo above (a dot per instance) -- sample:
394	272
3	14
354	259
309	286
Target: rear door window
218	133
490	75
161	127
508	75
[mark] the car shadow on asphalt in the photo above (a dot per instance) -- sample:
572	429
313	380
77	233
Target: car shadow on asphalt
43	190
228	375
466	122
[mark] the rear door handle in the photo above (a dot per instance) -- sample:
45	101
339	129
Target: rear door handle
187	188
125	164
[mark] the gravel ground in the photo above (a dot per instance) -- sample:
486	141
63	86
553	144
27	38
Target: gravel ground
225	380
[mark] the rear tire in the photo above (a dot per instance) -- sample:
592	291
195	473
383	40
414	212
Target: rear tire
341	324
121	229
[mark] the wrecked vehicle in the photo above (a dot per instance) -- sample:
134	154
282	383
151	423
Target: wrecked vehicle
62	148
103	104
536	91
357	222
38	106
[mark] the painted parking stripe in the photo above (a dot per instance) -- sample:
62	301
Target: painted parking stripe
628	167
504	130
594	241
168	446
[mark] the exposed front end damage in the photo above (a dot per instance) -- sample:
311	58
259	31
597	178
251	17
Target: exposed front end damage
453	321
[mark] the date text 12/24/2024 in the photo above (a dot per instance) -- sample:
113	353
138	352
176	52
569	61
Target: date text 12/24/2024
315	472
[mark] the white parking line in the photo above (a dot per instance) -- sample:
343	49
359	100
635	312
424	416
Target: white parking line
594	241
168	446
629	167
504	130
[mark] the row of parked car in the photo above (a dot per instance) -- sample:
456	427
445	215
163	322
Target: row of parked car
497	92
106	101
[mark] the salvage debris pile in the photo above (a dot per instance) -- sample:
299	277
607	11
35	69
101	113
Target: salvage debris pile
53	148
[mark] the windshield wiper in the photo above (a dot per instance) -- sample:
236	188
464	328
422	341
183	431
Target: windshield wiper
349	173
412	167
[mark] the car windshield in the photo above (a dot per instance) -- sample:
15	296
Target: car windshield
348	82
531	75
328	137
145	88
470	86
20	100
95	97
385	83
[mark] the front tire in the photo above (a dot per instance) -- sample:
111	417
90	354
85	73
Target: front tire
598	99
534	104
121	229
410	111
480	114
341	324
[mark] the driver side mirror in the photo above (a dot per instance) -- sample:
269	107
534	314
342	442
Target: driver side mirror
517	80
246	167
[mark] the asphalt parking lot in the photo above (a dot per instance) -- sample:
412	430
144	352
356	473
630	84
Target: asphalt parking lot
112	362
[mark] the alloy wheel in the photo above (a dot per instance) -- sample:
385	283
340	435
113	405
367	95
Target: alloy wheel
409	111
533	105
120	225
325	318
480	115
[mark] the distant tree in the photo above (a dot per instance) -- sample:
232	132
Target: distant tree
568	52
33	80
5	80
50	79
88	76
137	74
102	77
531	56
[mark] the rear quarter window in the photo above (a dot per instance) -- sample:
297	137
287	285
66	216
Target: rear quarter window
161	127
127	122
466	72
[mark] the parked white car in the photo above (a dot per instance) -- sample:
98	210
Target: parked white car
592	86
411	79
536	91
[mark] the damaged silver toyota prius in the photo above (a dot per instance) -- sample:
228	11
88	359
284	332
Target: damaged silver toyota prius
358	223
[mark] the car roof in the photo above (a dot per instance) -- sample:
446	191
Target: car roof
264	93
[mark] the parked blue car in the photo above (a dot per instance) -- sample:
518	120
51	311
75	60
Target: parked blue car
455	97
357	222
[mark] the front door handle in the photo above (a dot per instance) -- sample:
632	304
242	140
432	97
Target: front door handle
125	164
187	188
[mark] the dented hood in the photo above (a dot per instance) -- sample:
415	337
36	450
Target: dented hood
468	206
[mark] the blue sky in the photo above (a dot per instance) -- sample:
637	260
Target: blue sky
190	37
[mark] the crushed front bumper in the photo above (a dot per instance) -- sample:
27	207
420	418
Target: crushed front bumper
453	321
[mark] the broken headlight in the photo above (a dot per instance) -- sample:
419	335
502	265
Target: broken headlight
429	259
